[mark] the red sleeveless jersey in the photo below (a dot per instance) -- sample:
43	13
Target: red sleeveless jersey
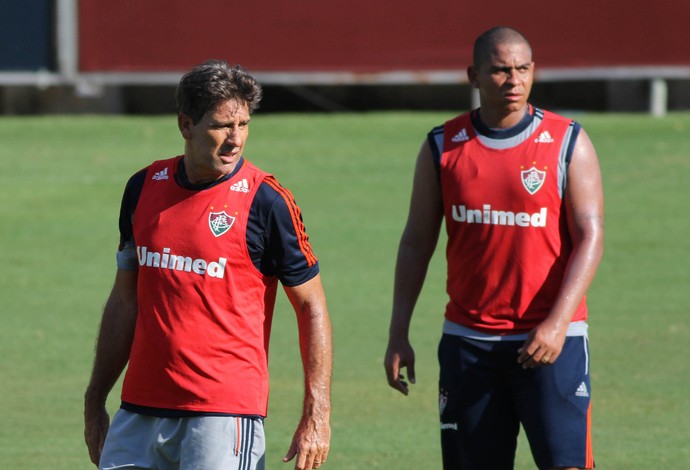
203	324
508	243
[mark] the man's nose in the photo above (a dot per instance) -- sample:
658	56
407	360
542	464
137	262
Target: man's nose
234	138
514	76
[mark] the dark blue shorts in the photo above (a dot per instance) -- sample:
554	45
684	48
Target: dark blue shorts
484	396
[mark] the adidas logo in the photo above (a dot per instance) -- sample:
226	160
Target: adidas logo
240	186
161	175
582	390
460	136
544	138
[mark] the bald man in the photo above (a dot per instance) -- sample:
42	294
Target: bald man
520	191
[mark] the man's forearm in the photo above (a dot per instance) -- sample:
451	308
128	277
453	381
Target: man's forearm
578	276
317	357
115	338
410	273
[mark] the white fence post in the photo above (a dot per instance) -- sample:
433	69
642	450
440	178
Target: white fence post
658	97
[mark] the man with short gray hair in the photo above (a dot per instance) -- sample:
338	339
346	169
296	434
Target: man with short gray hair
205	238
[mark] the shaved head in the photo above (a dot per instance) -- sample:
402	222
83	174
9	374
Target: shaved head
486	43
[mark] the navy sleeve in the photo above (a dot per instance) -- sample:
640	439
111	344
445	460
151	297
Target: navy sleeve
435	141
126	251
130	198
276	238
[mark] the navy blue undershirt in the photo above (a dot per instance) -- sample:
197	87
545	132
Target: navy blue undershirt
496	133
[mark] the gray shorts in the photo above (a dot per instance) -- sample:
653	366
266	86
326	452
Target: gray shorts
137	441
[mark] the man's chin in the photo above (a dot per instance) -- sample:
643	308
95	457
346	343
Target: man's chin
514	107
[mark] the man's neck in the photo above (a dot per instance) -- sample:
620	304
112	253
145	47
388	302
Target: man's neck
502	119
191	180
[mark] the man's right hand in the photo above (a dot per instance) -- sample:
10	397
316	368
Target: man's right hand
399	355
96	425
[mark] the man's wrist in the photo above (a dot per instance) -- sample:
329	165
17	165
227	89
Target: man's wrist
94	397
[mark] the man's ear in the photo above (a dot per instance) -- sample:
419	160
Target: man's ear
472	76
185	124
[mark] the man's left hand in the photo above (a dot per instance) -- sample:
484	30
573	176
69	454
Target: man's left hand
310	444
542	346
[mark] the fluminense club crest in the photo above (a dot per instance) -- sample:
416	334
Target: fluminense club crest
532	179
220	222
442	401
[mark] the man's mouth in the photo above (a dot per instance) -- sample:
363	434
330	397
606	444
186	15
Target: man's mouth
228	157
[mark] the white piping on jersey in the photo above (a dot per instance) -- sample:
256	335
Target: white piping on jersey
562	160
510	142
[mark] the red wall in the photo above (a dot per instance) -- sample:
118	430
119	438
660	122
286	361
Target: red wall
373	36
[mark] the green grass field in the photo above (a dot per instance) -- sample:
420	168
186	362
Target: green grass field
61	180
